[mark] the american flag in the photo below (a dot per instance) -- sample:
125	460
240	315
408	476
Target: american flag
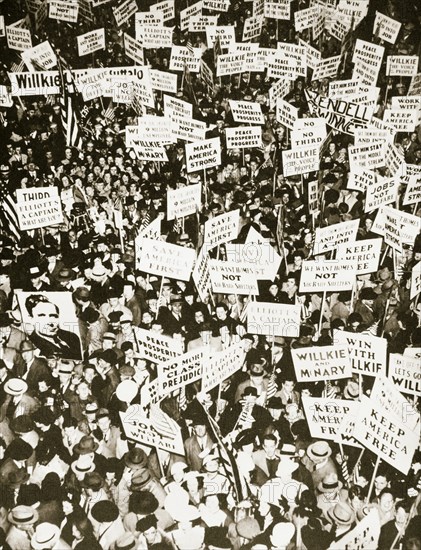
182	399
69	118
226	458
272	385
9	222
109	113
163	424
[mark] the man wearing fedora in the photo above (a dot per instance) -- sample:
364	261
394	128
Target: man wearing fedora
318	461
47	536
19	452
107	523
342	518
34	368
22	520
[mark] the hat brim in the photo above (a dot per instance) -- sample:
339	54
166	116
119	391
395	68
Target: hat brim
322	489
46	544
330	515
12	520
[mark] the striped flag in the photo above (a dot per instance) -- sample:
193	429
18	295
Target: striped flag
182	399
272	385
372	330
109	113
226	458
345	470
9	221
163	424
69	120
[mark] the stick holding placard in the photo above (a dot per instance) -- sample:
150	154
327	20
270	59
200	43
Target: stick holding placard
373	477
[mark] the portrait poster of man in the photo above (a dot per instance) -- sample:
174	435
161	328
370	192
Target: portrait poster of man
49	320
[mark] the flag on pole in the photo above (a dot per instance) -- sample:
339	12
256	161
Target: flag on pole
226	458
9	221
272	385
69	119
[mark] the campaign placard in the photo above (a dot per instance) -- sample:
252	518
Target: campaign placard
407	226
402	65
156	36
221	229
91	41
222	365
225	33
134	50
316	364
161	80
232	278
140	428
280	9
18	38
38	207
123	11
386	28
405	373
272	319
365	253
368	353
203	154
286	113
156	347
387	394
199	23
41	55
183	201
327	275
342	115
168	260
246	111
303	19
188	13
325	415
182	56
252	27
229	63
330	237
181	371
327	68
384	191
366	157
313	134
243	137
300	160
201	275
416	280
63	10
385	435
364	536
166	7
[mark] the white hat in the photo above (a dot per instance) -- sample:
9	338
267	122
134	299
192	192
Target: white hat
282	534
186	513
83	465
178	467
46	535
15	386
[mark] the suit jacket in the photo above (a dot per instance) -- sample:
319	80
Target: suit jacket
243	385
193	451
15	339
108	537
259	458
70	348
38	370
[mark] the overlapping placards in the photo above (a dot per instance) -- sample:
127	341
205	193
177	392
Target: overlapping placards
38	207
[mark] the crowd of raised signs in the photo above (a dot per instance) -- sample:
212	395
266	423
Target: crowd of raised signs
210	272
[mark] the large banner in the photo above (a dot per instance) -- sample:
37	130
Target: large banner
364	536
341	115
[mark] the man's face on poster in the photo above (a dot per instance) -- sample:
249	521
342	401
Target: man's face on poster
45	319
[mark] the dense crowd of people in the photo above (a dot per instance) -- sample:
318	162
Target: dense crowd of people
252	476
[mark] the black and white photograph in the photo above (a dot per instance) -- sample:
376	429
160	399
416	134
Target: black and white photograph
210	275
